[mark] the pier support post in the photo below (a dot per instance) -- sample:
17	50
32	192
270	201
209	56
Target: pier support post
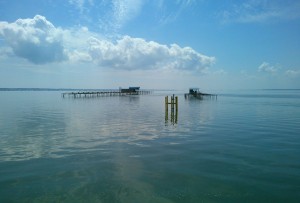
174	109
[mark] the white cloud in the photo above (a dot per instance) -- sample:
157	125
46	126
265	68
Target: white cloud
135	53
118	13
109	15
78	3
82	5
266	67
292	73
36	40
125	10
171	10
220	72
77	56
252	11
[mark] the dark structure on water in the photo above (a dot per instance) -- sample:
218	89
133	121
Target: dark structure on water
195	93
131	90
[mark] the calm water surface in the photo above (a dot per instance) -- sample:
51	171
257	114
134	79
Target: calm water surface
242	147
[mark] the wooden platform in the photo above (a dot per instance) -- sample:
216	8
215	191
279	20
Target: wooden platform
84	94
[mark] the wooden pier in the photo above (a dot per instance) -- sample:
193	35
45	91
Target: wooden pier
105	93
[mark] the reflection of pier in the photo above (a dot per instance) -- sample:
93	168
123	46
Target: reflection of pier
195	93
119	92
174	109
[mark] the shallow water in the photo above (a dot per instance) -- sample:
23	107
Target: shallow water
242	147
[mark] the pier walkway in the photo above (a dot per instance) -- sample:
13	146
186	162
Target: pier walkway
84	94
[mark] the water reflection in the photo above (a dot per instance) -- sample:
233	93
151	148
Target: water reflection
173	116
35	132
45	127
119	149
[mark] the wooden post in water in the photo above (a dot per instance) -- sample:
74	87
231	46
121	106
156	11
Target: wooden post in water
176	115
176	102
166	108
166	103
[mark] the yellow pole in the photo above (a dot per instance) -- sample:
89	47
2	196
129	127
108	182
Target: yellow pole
166	103
172	102
166	108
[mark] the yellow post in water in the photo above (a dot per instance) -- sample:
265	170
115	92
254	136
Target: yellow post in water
174	104
166	109
166	103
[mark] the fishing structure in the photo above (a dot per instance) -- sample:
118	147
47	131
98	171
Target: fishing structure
101	93
195	93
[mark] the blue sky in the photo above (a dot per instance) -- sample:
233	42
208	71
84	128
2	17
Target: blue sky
173	44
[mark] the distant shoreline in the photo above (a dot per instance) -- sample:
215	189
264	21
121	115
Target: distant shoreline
39	89
70	89
280	89
92	89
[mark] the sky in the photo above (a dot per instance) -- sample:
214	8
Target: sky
154	44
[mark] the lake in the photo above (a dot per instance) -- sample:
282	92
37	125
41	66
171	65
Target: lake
243	146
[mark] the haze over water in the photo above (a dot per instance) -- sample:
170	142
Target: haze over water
242	147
